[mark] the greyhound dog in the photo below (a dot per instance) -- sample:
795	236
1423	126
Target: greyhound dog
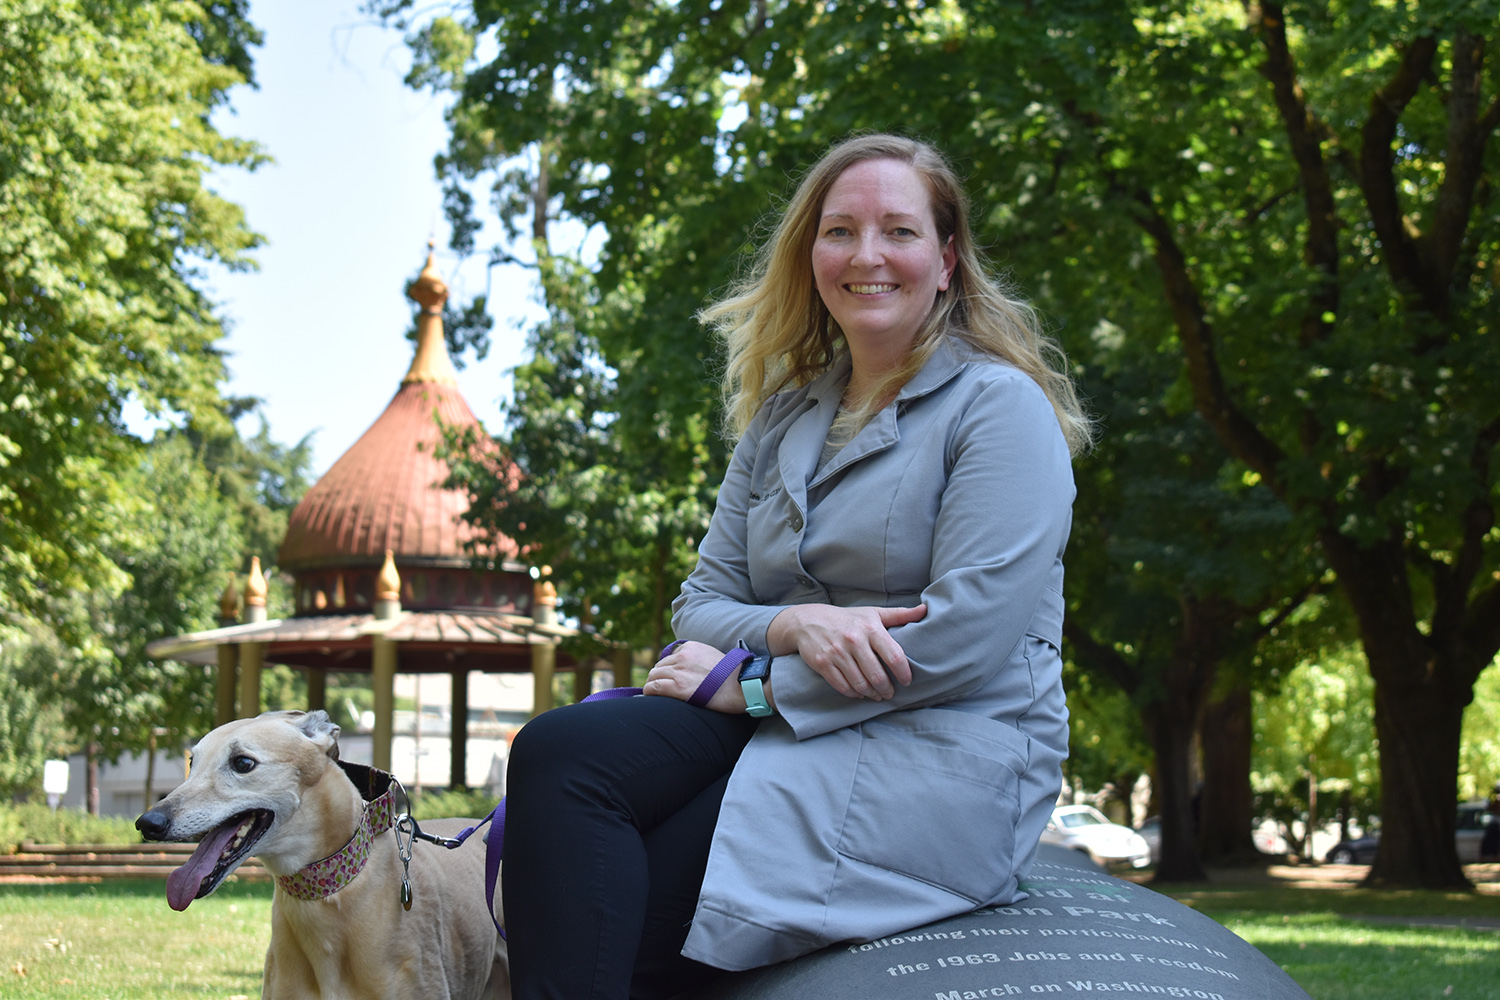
350	919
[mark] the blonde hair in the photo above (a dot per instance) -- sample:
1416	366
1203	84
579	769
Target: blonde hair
779	335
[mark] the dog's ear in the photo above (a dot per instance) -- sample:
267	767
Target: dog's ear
319	728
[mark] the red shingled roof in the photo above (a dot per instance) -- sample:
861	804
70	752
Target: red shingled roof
383	492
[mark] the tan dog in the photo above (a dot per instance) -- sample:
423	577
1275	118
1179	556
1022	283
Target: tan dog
273	787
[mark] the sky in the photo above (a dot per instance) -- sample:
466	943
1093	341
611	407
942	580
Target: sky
346	210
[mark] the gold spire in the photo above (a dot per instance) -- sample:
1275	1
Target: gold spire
388	583
431	362
543	598
544	591
229	601
255	585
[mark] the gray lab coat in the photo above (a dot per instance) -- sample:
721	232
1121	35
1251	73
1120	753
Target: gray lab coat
849	819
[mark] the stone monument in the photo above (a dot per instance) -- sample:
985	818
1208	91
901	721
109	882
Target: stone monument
1082	932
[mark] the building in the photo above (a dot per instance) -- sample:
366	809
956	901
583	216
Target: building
388	579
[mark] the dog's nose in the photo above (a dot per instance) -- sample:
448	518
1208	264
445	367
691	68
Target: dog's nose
153	825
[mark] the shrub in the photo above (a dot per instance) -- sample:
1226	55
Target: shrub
436	805
37	823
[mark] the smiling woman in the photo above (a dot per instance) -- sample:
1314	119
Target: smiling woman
879	264
885	586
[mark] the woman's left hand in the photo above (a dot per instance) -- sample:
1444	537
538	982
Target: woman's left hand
678	674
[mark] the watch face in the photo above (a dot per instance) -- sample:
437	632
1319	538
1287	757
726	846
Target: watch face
757	669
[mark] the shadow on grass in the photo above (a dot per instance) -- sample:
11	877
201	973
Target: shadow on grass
1286	889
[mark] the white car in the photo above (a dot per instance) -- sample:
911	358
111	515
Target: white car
1085	829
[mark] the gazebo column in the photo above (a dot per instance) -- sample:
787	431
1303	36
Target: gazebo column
229	658
317	689
252	657
384	681
227	681
622	659
383	662
458	736
252	654
583	681
543	666
543	649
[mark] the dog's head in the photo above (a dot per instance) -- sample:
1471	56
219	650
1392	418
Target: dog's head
244	790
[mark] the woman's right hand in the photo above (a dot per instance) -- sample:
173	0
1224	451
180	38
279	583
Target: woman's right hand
850	648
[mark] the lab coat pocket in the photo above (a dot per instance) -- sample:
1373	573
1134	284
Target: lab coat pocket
936	797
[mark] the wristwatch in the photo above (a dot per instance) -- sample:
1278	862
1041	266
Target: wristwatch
753	676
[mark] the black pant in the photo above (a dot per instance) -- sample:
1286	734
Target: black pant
609	813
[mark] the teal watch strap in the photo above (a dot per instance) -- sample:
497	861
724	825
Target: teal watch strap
753	676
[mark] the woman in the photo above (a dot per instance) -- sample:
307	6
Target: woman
883	568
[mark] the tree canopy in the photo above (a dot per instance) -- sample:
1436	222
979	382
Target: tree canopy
1293	205
105	224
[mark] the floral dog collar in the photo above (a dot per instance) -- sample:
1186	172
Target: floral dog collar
322	879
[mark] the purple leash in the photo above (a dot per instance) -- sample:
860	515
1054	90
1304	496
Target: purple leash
494	848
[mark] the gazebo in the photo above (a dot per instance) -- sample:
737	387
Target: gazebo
387	576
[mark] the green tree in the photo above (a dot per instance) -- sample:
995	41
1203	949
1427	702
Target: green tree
1308	188
105	225
1479	759
1107	745
607	512
1179	572
201	505
1315	756
259	478
105	221
29	722
185	538
1292	201
613	425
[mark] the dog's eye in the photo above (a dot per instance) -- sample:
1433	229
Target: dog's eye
242	764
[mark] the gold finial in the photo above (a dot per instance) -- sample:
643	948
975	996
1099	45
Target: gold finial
543	597
338	591
544	593
388	583
255	585
431	362
429	290
229	601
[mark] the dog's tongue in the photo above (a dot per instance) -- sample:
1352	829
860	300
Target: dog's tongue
182	884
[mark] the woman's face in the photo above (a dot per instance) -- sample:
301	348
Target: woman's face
877	260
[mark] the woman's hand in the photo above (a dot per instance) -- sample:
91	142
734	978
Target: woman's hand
678	674
850	648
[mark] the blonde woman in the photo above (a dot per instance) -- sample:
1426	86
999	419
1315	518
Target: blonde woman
861	727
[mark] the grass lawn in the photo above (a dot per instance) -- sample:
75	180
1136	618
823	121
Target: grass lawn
119	940
1341	942
1334	958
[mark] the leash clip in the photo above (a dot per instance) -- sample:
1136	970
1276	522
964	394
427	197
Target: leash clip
432	838
405	828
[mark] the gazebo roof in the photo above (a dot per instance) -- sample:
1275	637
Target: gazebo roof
384	493
430	641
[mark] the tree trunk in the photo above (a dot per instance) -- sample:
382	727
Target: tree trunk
91	779
150	771
1419	727
1420	695
1172	739
1228	810
659	604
